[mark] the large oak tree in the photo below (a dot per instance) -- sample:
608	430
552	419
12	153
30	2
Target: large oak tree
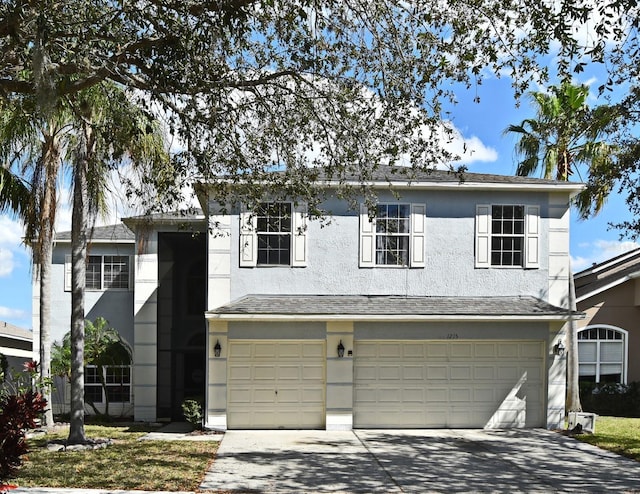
249	86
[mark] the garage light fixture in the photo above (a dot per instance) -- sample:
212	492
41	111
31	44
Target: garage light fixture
559	349
217	349
340	349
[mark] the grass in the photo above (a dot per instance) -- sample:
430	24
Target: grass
126	464
620	435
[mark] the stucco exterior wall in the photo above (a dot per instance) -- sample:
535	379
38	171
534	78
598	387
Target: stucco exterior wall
114	305
332	263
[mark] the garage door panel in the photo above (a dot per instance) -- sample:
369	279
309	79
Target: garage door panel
509	350
435	372
531	350
436	395
461	350
449	384
509	373
485	350
484	372
264	372
460	372
291	372
484	395
241	396
389	372
413	372
239	372
276	384
412	396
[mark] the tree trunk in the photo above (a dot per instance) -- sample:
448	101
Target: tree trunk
50	163
45	323
573	387
78	283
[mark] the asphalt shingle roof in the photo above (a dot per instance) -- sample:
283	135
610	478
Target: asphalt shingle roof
389	305
385	173
118	232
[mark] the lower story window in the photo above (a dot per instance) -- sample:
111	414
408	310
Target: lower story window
117	384
602	354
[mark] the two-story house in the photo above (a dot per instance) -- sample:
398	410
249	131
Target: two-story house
441	307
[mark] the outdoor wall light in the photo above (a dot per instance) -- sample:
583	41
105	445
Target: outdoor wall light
559	349
217	349
340	349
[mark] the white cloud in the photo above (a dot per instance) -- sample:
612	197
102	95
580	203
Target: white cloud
469	149
598	251
11	231
8	313
6	262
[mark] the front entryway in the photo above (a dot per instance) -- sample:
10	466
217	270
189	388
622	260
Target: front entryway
276	384
181	328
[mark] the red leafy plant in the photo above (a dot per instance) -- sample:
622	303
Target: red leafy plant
20	406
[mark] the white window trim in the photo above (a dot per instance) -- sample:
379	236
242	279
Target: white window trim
249	237
531	254
417	236
99	385
67	274
625	348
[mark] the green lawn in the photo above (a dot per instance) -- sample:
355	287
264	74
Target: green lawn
126	464
620	435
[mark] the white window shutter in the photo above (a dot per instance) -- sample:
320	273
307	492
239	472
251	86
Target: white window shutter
367	239
418	217
67	273
532	237
483	236
248	240
299	236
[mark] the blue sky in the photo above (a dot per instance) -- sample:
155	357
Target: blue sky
480	125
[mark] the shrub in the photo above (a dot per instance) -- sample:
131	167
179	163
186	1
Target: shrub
614	399
20	406
193	413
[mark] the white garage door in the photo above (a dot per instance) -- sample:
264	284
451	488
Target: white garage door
403	384
276	384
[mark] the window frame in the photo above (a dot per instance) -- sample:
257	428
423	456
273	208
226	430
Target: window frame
248	248
530	256
277	219
624	340
90	286
98	385
416	236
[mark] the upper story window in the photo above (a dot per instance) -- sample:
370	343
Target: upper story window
275	234
602	354
394	237
507	235
103	273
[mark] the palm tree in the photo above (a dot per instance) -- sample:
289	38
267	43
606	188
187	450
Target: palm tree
563	140
109	128
33	146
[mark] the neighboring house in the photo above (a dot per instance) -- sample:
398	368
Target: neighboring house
609	293
441	307
16	344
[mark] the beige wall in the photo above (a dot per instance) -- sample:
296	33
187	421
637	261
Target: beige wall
615	307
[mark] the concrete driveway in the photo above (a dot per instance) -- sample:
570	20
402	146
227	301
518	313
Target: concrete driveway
416	461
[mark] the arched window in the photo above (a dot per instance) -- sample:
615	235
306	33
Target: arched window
602	354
